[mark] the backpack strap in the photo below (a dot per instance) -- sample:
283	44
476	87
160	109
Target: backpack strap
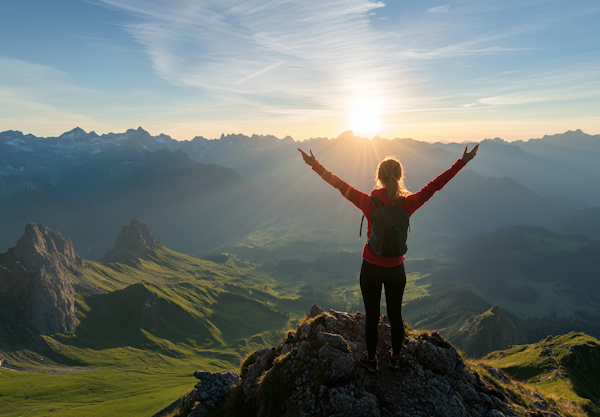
377	201
361	223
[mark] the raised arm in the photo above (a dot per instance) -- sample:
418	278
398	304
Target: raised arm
358	198
414	201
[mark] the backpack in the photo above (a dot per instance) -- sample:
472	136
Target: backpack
390	227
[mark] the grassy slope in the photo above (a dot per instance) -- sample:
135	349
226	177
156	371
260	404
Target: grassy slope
565	367
138	345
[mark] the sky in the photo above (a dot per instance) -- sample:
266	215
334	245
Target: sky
456	71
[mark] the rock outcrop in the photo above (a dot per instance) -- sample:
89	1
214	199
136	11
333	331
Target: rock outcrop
212	389
315	372
36	280
133	242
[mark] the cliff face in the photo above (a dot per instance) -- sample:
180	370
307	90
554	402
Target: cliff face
36	283
133	242
315	372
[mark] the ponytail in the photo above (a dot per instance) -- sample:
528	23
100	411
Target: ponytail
389	176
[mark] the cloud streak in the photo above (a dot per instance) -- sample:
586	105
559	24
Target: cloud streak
325	53
439	9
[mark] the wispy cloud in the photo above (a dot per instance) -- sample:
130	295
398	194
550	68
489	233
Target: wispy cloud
439	9
566	83
303	49
327	55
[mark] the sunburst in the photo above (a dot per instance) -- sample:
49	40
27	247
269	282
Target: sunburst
365	118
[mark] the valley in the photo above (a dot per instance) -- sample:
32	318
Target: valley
247	240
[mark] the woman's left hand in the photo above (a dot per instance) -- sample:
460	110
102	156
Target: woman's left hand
467	156
309	159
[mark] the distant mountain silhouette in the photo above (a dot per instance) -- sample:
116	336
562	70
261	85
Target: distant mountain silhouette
90	184
192	206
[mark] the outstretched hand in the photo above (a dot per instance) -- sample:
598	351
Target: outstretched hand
309	159
467	156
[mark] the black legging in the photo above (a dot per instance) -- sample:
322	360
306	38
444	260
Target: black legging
394	279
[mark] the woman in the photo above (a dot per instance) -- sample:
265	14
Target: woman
380	270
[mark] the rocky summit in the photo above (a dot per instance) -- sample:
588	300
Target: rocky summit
133	242
36	283
315	372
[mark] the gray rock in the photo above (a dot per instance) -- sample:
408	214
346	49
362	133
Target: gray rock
301	350
466	391
305	331
334	340
440	360
256	369
342	403
498	375
336	365
315	310
212	389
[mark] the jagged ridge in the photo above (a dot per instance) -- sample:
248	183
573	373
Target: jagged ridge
315	372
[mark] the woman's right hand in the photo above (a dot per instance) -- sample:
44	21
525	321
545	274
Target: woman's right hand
309	159
467	156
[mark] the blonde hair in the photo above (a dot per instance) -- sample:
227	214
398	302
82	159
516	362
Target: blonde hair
389	175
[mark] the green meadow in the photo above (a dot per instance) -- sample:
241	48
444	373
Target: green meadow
562	368
136	347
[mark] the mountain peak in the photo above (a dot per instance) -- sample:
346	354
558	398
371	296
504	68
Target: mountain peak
348	134
36	280
41	240
491	330
135	240
138	131
76	133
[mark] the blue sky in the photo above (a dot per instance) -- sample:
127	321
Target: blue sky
431	70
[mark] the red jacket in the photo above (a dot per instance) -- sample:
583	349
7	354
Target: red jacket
363	201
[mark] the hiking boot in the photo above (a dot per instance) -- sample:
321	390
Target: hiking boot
372	366
395	361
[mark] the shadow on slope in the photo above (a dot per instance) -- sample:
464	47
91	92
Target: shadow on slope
168	319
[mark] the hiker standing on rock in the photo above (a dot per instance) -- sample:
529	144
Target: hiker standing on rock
387	210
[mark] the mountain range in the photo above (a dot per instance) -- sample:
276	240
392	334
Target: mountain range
198	194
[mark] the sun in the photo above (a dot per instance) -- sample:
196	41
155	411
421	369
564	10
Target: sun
365	119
